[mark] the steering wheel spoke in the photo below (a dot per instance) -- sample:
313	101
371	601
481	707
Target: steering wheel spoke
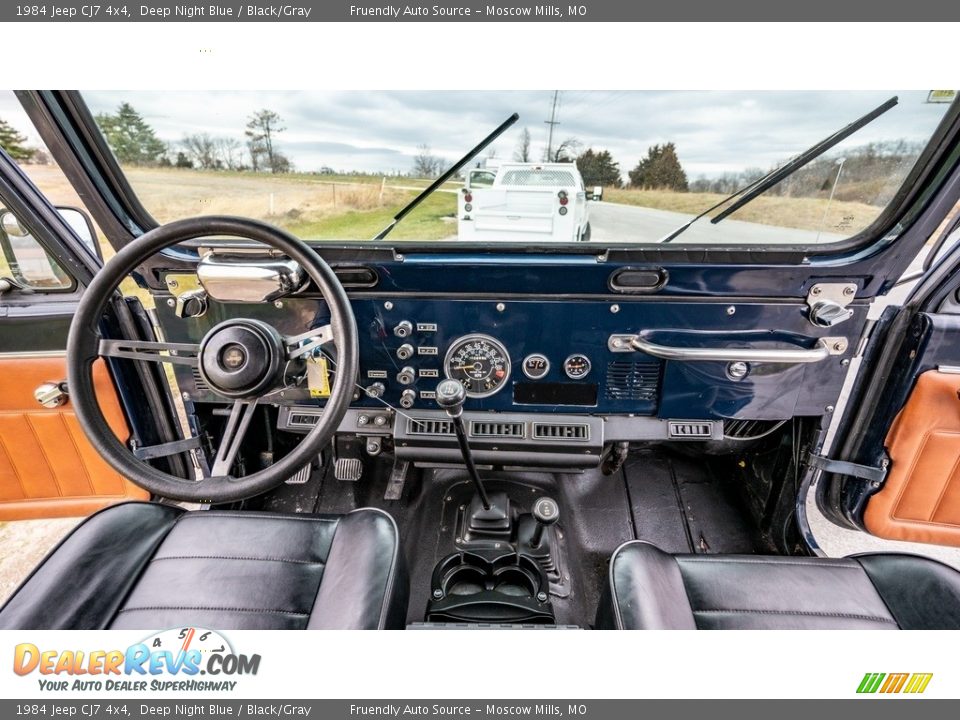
174	353
306	342
240	416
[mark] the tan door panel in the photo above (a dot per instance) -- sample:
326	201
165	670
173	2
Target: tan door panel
47	466
920	500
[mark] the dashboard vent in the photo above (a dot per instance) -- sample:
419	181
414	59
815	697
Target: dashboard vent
496	429
561	431
691	430
429	426
303	419
628	380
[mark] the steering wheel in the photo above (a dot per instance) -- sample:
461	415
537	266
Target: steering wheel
241	360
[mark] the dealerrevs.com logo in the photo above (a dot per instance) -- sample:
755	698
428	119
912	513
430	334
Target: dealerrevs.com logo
183	659
893	683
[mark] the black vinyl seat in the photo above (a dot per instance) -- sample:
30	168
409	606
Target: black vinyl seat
149	566
649	589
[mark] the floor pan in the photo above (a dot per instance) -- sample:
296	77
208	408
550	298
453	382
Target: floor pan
665	498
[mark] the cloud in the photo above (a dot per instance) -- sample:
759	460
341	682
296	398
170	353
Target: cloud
714	131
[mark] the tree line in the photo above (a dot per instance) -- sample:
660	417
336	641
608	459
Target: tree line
135	142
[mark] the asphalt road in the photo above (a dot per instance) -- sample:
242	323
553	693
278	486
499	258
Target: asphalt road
611	222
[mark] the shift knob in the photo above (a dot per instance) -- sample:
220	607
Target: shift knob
451	396
546	511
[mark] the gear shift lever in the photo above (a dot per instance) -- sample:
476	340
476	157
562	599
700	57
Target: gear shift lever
485	516
546	512
451	396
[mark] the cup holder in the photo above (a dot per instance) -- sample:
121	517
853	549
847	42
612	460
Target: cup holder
492	586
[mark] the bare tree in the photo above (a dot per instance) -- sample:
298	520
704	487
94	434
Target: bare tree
567	151
522	153
262	128
201	149
425	163
229	153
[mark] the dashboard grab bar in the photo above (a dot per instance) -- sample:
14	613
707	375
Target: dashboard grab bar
822	349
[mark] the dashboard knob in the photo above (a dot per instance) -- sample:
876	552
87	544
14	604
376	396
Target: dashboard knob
403	329
407	398
406	376
405	351
376	390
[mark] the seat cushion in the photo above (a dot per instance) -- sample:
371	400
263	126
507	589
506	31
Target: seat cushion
149	566
651	589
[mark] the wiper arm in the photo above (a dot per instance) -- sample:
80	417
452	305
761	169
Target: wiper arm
764	183
454	169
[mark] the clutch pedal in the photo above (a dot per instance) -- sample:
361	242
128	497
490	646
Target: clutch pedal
300	477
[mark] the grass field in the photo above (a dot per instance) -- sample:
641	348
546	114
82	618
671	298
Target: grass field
357	207
800	213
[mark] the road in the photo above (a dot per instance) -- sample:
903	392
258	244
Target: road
611	222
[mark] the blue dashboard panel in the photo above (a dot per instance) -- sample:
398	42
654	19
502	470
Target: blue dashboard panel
623	383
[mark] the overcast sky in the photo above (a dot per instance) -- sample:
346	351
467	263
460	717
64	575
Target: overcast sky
715	132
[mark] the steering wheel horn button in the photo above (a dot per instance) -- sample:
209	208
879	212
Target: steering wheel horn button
241	358
233	357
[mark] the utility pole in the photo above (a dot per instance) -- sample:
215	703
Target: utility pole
552	122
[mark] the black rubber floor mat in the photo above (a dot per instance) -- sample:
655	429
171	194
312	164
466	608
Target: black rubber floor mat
679	506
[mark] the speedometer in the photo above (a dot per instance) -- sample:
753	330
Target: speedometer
480	362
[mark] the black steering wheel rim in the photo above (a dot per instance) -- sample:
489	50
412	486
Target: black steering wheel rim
83	351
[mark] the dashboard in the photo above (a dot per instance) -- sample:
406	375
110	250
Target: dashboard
538	371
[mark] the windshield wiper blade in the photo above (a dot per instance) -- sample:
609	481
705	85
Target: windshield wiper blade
453	170
764	183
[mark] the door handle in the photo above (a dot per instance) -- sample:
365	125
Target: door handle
51	394
822	349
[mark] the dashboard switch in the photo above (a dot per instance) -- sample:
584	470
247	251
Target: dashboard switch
406	376
403	329
407	398
405	351
376	390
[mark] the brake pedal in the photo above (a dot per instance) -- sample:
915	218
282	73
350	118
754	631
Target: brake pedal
348	469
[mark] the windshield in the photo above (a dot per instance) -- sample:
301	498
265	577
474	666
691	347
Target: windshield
339	165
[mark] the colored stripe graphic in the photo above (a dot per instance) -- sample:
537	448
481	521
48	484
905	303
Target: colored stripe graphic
870	682
893	683
918	682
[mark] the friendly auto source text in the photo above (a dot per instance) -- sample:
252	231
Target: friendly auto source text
398	11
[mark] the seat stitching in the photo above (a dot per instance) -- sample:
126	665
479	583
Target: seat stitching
266	611
266	516
784	561
797	612
238	557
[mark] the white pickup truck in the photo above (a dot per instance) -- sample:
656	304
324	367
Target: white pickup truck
524	202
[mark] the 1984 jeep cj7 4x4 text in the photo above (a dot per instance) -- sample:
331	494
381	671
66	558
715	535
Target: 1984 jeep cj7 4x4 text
392	434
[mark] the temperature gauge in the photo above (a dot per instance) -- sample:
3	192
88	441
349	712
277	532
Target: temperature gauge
577	366
536	366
